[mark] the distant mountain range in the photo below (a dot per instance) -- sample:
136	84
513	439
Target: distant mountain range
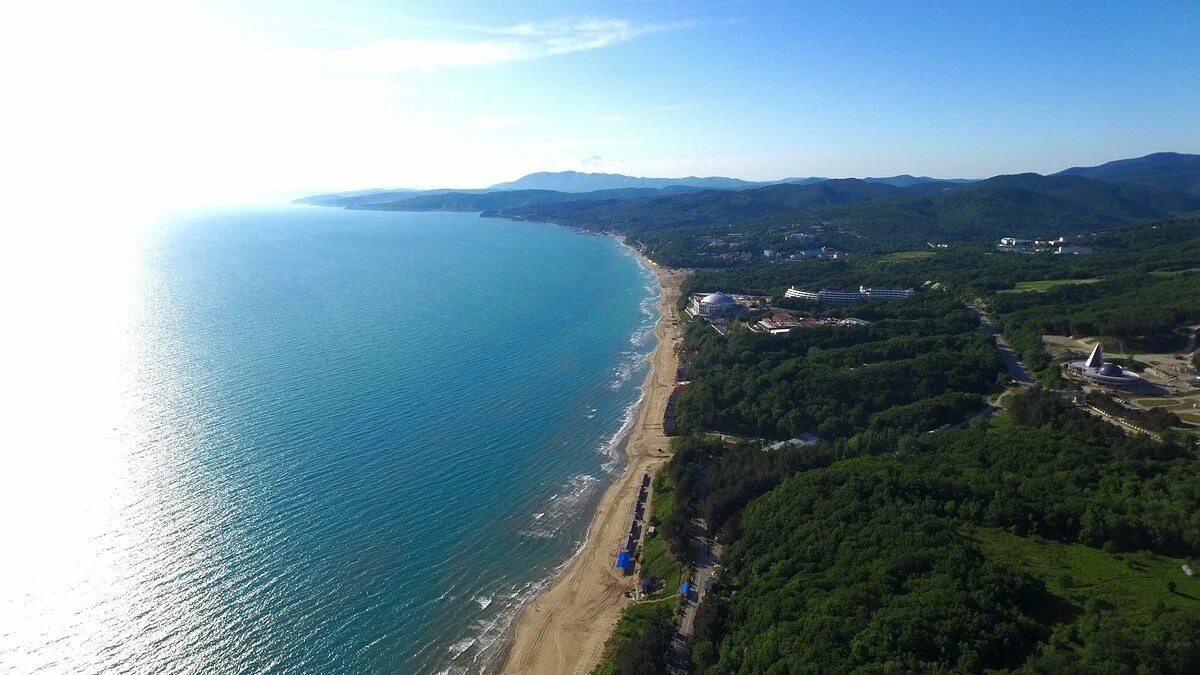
541	186
498	199
574	181
1154	187
1123	191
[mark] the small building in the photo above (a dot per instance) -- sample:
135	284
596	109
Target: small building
779	321
802	440
1070	249
1012	242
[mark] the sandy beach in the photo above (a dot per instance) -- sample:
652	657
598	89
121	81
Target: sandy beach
564	629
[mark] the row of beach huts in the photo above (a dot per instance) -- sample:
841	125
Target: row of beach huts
669	425
628	552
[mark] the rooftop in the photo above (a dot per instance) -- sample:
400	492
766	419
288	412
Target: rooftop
718	299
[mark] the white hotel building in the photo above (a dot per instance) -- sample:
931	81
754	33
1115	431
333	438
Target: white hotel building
863	294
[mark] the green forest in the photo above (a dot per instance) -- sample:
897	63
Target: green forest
867	217
900	561
835	381
1042	540
922	533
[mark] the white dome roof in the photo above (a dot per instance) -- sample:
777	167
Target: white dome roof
718	299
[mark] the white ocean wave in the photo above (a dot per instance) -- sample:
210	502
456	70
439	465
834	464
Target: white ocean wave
461	646
478	652
563	508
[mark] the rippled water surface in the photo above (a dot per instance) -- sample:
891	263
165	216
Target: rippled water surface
312	440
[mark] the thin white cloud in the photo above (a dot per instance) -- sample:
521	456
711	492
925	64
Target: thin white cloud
504	121
505	44
584	143
689	105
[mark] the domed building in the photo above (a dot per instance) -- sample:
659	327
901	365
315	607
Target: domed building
1096	370
717	306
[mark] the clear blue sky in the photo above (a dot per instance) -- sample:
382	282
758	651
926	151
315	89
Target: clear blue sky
317	94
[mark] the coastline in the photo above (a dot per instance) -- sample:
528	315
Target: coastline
565	628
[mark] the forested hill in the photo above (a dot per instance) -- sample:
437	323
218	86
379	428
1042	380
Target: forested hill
1165	170
509	199
1049	543
1024	205
669	217
478	200
707	207
1017	205
575	181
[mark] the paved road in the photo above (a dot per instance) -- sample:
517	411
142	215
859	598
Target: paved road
707	552
706	561
1016	369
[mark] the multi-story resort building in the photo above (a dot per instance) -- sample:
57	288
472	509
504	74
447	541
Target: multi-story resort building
846	297
885	293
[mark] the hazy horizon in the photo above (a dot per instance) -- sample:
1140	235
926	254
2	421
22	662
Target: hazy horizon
703	177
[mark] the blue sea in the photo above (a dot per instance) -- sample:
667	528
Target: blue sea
309	440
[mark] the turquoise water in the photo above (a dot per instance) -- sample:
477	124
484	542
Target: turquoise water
341	442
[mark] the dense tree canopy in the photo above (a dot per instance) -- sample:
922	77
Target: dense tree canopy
864	216
887	548
835	381
869	563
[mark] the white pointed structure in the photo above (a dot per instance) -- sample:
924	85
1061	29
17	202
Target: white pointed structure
1097	371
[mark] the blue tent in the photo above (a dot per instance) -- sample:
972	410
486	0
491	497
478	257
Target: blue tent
624	560
685	588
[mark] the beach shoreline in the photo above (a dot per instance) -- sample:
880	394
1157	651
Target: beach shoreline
565	628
